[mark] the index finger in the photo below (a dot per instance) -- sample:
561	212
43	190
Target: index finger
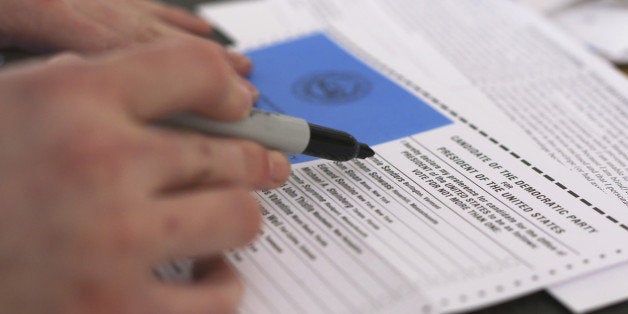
177	17
188	74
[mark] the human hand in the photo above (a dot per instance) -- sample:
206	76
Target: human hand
92	25
93	195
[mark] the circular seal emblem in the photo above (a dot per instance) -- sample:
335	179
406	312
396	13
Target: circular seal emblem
331	87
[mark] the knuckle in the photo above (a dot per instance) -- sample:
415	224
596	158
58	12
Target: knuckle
256	161
193	150
203	146
94	158
67	81
172	147
252	149
117	231
211	62
79	150
208	54
147	33
124	237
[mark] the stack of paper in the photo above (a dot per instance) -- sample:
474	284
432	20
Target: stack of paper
500	167
601	24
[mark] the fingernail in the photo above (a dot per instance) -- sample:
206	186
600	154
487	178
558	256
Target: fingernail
279	167
253	90
250	95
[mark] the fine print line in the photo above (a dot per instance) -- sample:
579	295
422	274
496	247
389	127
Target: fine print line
518	283
416	88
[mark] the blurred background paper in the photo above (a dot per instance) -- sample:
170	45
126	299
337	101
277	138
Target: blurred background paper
547	6
602	25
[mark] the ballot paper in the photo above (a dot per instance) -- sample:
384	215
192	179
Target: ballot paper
471	209
528	51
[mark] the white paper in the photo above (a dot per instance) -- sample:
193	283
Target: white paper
548	6
393	43
602	25
536	62
571	79
593	291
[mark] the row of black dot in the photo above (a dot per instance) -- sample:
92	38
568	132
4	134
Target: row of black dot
463	298
482	293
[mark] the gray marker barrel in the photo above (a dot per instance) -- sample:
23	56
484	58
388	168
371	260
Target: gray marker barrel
272	130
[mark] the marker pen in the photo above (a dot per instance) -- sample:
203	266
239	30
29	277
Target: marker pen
280	132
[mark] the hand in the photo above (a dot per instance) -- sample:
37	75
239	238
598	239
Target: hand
93	195
91	25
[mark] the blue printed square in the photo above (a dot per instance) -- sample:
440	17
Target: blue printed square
315	79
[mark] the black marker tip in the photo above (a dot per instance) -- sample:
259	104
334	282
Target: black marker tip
365	151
